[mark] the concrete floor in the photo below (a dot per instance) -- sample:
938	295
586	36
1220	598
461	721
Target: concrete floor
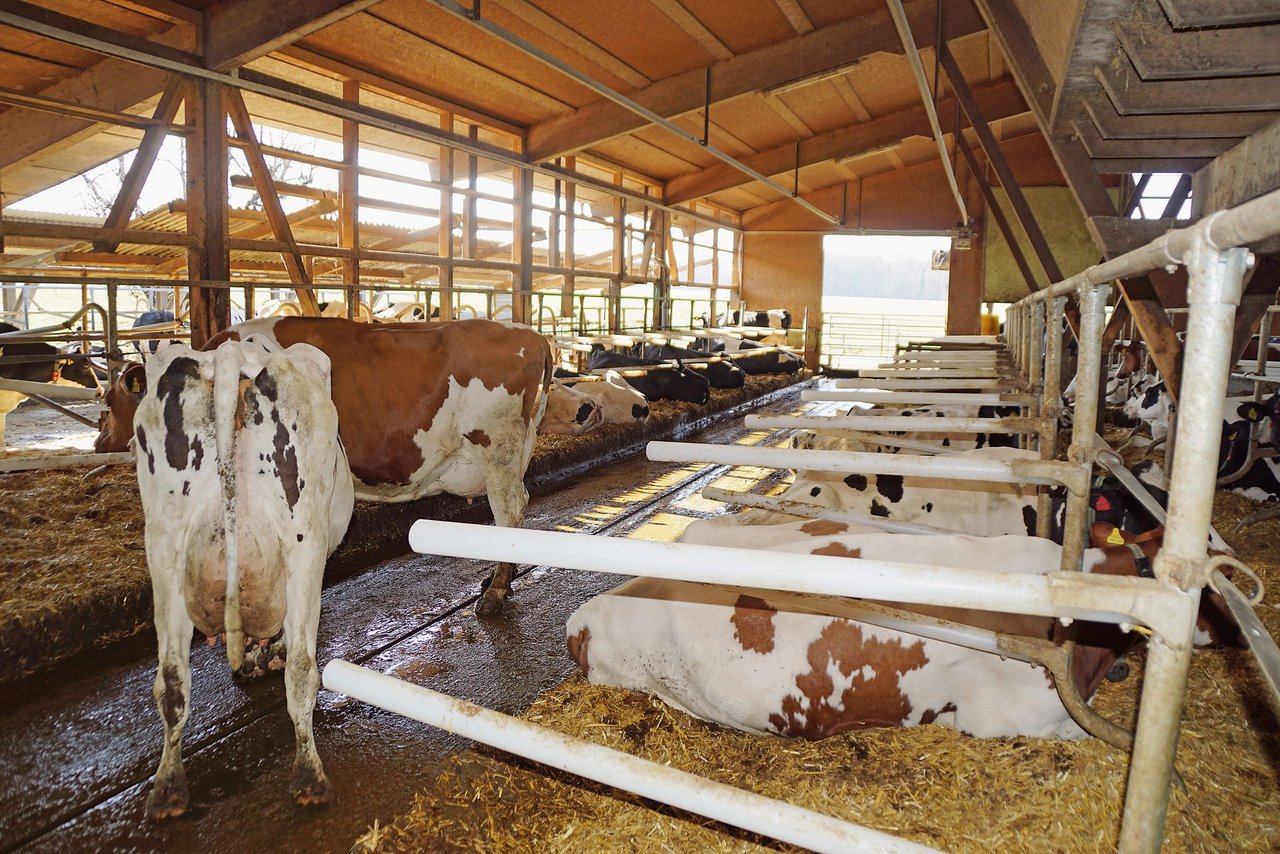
78	746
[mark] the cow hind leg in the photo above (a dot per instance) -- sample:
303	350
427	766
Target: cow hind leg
309	786
172	692
508	499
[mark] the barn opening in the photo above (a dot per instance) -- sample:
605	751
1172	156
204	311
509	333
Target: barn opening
879	291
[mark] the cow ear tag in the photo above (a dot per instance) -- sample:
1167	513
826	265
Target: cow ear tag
1114	538
1251	412
135	385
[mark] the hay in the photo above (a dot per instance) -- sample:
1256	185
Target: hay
928	784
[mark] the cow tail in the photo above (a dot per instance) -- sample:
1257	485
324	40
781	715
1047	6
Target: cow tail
548	377
226	403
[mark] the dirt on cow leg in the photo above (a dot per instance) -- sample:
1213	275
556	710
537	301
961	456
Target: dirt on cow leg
168	799
495	589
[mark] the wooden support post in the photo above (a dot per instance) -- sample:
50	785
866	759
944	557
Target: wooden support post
1114	325
619	259
349	196
470	222
131	188
299	271
567	308
653	243
444	244
1259	295
207	213
964	272
522	283
1179	195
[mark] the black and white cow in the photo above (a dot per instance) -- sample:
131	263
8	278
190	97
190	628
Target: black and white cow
246	491
37	363
719	371
665	382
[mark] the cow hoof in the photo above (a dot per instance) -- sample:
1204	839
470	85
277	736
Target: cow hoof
491	601
1118	672
310	787
260	660
168	799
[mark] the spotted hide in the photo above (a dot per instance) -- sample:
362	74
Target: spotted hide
426	408
801	666
245	492
569	412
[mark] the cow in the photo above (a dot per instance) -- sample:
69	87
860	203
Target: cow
422	409
663	382
569	412
719	371
769	361
1149	403
786	664
774	318
151	318
246	492
619	403
37	363
1251	437
955	441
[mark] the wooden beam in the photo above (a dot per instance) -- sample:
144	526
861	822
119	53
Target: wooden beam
1026	217
522	281
349	194
1178	148
89	233
265	184
1112	125
1158	52
444	236
1178	196
39	20
109	259
1259	294
237	31
1119	315
1000	101
1116	235
207	220
1245	172
140	169
1002	222
1184	14
1090	43
815	52
45	104
1132	95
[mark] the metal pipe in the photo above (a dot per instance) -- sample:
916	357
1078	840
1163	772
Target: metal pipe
623	101
1264	336
914	424
929	373
740	808
817	511
65	461
996	471
66	392
1093	302
905	384
917	70
1213	292
940	398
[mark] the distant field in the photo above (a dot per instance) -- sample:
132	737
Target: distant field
859	332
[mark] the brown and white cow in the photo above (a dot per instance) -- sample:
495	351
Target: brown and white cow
569	412
423	408
246	492
778	663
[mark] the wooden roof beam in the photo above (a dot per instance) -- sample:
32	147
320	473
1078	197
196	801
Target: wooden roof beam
237	31
1134	96
820	50
1162	149
1159	52
1184	14
1112	125
999	101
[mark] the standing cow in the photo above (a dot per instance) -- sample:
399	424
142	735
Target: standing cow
422	409
246	492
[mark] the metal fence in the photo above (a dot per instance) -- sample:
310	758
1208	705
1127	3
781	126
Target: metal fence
863	340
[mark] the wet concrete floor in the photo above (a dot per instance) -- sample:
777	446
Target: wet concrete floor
78	746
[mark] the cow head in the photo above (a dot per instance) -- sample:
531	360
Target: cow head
569	412
1125	553
78	371
115	425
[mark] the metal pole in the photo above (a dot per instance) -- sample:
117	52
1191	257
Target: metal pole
1264	335
1213	292
1093	302
926	97
1050	404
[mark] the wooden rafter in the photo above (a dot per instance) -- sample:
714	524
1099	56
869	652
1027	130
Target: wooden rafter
207	215
999	101
1111	125
265	185
812	53
997	213
1159	52
1134	96
140	169
237	31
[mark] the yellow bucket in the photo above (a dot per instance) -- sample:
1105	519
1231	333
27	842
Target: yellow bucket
990	324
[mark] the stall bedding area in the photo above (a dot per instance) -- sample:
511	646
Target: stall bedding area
928	784
74	573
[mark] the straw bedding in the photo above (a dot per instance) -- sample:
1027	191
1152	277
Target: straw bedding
74	574
928	784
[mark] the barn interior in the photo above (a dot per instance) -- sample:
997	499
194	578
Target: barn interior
604	175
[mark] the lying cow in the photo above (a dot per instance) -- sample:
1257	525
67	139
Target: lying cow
569	412
36	363
786	664
619	403
663	382
422	408
774	318
719	371
954	441
246	492
768	360
1252	436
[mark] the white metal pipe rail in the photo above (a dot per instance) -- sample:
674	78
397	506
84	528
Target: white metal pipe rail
940	398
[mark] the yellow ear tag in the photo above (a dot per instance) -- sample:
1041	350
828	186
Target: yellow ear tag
1114	537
